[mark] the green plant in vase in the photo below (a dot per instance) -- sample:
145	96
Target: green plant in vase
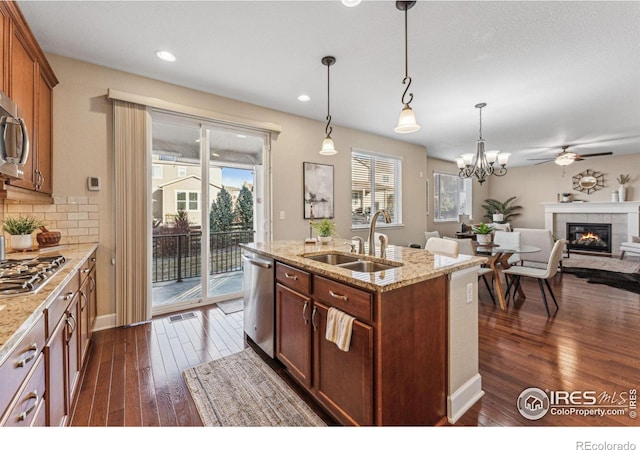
483	233
326	228
20	228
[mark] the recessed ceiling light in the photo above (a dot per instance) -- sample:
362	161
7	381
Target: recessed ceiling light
241	136
351	3
165	55
304	98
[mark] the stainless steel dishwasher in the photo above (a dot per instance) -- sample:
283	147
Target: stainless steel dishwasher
259	300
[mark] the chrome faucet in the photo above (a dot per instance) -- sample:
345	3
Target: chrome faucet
360	245
372	229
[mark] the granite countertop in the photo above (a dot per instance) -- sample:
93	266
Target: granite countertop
417	264
18	313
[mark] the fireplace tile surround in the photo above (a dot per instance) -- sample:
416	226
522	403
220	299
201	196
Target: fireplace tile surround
624	218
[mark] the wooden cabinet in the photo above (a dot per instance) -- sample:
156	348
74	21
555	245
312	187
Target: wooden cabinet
340	381
293	338
395	371
343	381
19	376
86	304
55	356
28	407
27	78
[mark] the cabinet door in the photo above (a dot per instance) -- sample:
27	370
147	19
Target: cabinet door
83	325
56	386
93	297
43	161
343	381
293	336
23	93
72	331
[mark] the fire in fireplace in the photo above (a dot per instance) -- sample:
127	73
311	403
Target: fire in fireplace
591	237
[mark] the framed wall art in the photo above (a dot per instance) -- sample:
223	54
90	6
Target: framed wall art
318	190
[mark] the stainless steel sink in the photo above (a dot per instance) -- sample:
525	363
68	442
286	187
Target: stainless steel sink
368	266
333	259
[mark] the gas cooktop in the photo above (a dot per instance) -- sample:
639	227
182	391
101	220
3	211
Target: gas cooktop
27	276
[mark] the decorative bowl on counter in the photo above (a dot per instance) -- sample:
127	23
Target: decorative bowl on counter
48	238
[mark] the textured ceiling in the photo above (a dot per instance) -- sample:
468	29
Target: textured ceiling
551	73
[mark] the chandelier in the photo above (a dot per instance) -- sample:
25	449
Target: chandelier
481	165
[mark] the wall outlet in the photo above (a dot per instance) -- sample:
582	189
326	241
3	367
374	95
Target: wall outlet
281	215
469	292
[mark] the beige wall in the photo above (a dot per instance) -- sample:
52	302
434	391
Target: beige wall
83	146
540	184
534	185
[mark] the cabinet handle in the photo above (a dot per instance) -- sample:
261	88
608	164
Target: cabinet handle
313	318
83	305
338	296
68	296
24	361
292	277
93	259
73	326
23	415
86	270
304	313
93	283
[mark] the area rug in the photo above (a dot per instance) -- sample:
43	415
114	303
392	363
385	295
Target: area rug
601	263
231	306
241	390
627	281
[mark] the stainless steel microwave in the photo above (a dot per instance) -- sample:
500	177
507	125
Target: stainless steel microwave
14	139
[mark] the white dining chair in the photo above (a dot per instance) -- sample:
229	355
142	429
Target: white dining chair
441	246
540	274
508	239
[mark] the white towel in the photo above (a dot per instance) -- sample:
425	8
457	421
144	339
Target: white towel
339	327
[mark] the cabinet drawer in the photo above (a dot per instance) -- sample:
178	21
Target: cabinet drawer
86	267
352	301
294	278
27	403
17	366
57	308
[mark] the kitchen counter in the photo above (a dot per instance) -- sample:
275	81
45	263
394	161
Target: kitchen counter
18	313
417	264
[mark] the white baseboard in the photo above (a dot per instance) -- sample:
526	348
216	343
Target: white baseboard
464	398
105	322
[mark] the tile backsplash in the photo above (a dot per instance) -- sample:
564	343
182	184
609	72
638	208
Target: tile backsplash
76	218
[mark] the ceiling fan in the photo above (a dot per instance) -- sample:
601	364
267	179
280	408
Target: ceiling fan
564	158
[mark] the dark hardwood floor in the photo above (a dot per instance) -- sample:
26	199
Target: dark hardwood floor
134	375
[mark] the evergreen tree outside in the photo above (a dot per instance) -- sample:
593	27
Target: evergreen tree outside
244	208
221	215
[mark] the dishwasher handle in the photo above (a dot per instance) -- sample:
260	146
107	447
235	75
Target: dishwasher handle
256	262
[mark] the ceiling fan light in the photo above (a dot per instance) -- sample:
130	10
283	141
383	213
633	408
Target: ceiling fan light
565	159
407	121
328	148
503	158
351	3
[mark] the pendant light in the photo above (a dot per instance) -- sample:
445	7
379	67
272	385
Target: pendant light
407	121
328	148
482	167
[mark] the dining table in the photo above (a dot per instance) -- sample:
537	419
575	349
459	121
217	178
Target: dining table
498	260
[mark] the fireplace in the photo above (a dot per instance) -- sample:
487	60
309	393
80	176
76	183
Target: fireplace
590	237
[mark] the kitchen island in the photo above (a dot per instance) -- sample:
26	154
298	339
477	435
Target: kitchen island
413	354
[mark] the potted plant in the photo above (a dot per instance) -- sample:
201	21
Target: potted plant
623	179
20	229
496	207
325	229
483	233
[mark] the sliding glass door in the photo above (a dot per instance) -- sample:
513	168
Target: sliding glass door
205	182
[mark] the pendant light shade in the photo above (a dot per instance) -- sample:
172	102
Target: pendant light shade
328	148
407	120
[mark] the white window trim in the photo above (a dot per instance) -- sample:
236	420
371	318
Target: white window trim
435	211
187	200
181	169
161	168
398	224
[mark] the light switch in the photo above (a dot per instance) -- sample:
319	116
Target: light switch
281	215
469	292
